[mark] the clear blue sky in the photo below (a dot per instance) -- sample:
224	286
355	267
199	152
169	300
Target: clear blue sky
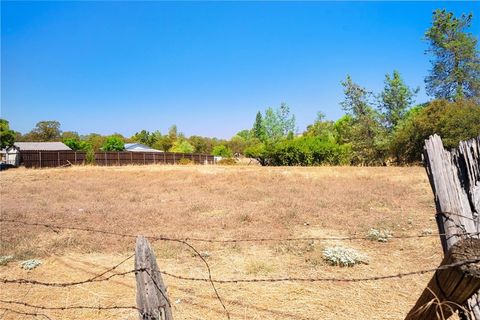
206	66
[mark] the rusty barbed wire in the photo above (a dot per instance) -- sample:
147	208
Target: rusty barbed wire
97	278
31	314
55	228
226	281
40	307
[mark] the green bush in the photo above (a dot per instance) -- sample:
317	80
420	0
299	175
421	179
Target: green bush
182	146
222	151
113	143
453	121
309	151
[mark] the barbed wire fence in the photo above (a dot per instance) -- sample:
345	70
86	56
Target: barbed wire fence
111	272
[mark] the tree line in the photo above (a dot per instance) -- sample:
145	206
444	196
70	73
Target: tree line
380	128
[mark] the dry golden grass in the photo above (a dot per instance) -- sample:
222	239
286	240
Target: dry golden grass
220	202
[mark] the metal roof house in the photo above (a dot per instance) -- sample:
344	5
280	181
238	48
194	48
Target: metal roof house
138	147
41	146
11	155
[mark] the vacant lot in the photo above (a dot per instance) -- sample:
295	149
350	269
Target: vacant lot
219	203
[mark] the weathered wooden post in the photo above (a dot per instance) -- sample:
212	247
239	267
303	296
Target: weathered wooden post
455	181
152	299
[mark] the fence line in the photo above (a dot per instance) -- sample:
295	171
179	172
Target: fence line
55	228
41	159
102	278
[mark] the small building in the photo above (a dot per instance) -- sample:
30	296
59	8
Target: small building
11	155
138	147
41	146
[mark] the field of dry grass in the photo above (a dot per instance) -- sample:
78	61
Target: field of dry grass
220	203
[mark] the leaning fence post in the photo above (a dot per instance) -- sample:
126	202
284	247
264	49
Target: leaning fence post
152	299
455	180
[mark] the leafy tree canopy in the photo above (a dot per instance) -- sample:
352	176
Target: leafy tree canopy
455	72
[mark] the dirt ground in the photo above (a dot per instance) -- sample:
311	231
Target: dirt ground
217	202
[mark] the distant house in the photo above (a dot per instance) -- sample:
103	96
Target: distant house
138	147
11	155
41	146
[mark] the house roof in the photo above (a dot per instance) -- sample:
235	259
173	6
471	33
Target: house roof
43	146
139	147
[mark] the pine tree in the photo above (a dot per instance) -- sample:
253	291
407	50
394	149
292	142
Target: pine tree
456	65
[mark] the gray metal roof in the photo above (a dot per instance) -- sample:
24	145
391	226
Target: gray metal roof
138	147
43	146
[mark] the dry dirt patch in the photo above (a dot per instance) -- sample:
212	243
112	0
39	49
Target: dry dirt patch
221	203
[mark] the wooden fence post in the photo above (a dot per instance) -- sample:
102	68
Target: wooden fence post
152	299
40	158
450	286
455	181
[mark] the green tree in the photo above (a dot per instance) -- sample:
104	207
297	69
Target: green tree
182	146
259	152
278	123
259	127
395	99
70	135
113	143
322	128
7	136
173	133
367	137
222	151
96	140
455	69
453	121
78	145
144	137
46	131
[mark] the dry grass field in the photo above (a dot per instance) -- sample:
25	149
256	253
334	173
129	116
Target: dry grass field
219	203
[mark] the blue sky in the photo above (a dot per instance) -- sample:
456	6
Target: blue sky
207	67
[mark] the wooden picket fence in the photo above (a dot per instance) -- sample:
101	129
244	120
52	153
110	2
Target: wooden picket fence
42	159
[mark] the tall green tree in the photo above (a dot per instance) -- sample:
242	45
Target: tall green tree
395	99
279	122
259	127
455	72
7	136
173	133
368	139
45	131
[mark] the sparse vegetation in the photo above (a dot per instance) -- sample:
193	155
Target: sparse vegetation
380	235
343	256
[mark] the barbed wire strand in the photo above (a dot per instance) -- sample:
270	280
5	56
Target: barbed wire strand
31	314
163	238
115	307
285	279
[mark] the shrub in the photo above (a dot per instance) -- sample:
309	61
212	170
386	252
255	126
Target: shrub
343	257
185	161
453	121
90	156
113	143
380	235
308	151
227	162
